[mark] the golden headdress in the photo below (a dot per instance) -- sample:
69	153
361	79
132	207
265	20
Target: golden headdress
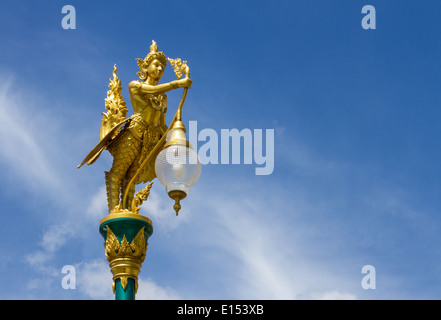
144	63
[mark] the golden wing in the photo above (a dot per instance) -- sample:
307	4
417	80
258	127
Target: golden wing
112	121
115	106
94	154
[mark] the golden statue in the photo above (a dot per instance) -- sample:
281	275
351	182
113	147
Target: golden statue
143	148
135	142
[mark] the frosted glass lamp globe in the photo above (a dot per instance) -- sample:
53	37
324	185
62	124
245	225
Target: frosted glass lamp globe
177	167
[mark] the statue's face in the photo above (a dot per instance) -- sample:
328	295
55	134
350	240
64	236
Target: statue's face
156	69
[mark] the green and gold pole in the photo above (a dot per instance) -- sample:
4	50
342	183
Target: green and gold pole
126	235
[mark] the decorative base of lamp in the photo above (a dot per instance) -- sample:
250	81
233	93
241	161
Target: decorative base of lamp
177	195
126	235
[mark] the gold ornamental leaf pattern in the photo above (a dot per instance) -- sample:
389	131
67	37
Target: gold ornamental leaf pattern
179	66
136	249
111	246
139	245
125	248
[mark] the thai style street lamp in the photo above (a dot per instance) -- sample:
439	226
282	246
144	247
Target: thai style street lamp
143	148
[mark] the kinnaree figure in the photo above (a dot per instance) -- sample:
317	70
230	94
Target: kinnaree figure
131	140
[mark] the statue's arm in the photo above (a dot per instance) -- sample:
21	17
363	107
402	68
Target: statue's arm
138	86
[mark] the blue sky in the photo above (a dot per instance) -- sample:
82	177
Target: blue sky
356	115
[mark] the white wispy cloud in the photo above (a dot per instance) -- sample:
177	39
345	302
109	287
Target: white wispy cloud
21	137
25	146
159	208
31	155
150	290
331	295
267	258
94	280
97	207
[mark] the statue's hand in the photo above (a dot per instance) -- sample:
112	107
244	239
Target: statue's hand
184	83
